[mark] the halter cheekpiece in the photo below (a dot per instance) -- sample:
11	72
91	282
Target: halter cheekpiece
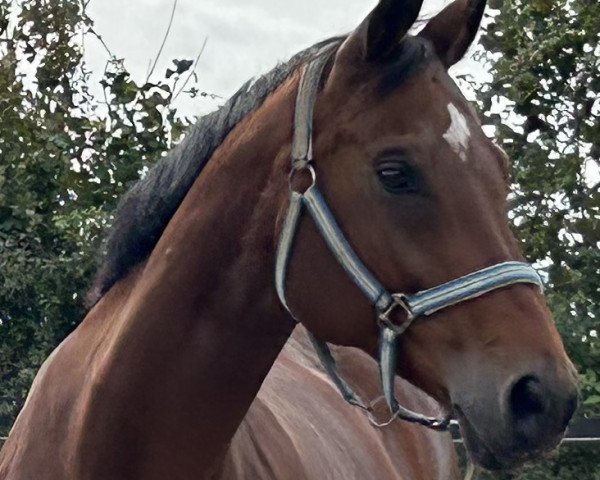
415	305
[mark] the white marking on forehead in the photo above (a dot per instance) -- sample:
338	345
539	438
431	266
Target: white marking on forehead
458	134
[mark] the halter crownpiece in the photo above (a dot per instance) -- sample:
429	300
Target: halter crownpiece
416	305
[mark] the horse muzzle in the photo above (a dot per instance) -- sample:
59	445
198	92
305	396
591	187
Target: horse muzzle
525	421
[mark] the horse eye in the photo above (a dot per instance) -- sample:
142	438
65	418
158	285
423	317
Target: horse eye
399	177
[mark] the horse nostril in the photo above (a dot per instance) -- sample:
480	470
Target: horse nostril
527	398
538	410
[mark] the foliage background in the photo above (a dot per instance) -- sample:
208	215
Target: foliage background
67	154
65	158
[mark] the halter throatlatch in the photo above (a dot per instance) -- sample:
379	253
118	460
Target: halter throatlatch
416	305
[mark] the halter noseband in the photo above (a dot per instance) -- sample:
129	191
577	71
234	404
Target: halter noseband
416	305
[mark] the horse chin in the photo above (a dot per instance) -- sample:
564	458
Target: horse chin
482	454
478	452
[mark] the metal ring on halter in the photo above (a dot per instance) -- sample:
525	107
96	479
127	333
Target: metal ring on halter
306	167
436	424
399	300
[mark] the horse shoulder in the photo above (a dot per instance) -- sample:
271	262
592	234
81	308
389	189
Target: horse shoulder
48	429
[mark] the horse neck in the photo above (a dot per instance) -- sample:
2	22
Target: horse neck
202	326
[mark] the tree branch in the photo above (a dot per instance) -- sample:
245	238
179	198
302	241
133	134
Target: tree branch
192	71
162	46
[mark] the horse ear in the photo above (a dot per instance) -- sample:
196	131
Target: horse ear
453	30
379	34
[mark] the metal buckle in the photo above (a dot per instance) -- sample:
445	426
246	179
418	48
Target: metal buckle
399	300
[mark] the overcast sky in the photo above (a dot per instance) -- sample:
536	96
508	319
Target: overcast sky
245	38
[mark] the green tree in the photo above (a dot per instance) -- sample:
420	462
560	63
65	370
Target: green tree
65	158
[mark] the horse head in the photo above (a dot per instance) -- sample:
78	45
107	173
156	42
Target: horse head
420	194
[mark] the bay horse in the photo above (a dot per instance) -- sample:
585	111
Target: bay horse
393	185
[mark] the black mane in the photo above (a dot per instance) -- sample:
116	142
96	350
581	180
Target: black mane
145	210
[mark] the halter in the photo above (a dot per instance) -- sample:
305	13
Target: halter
417	305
